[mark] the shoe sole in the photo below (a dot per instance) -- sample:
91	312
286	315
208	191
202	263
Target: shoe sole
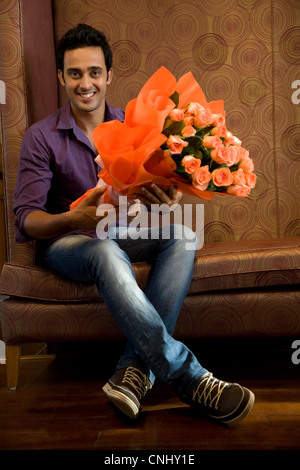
244	413
121	401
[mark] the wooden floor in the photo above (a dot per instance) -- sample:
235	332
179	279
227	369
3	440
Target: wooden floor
59	403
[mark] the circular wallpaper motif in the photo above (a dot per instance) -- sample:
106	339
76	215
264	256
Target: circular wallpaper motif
145	34
290	142
239	120
161	56
234	27
222	85
293	229
278	114
283	20
15	106
106	23
287	205
129	11
258	147
6	5
187	65
160	7
289	46
74	11
247	56
10	54
125	90
269	24
127	57
217	7
272	69
248	4
210	51
251	91
239	214
293	177
182	27
218	231
268	209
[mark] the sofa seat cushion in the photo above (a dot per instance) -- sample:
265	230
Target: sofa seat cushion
247	264
218	266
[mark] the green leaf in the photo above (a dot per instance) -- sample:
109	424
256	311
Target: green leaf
175	98
172	127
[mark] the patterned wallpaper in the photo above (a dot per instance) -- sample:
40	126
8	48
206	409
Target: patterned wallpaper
246	52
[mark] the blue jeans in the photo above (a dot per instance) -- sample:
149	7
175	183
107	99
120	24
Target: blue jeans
147	317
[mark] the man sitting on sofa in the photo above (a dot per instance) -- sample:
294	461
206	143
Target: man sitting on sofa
57	165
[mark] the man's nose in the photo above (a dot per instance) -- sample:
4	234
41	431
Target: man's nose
85	82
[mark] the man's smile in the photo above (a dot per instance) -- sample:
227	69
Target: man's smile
87	96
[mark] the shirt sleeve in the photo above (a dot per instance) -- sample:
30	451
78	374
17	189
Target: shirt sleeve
33	179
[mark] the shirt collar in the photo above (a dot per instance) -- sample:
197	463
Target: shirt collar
66	118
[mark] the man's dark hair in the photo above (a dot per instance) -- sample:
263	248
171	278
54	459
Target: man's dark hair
81	36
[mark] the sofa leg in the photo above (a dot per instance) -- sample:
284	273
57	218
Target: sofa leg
12	365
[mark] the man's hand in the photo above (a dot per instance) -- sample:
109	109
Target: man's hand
86	212
42	225
84	215
155	195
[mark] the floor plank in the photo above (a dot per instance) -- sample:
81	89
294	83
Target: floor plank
59	404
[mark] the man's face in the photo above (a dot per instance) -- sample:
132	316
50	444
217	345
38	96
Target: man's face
85	78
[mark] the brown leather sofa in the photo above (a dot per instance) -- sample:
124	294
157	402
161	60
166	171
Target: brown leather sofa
247	275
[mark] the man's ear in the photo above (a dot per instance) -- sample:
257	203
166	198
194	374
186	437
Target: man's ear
61	77
109	76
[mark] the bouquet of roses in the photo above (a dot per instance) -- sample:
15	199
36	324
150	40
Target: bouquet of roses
172	136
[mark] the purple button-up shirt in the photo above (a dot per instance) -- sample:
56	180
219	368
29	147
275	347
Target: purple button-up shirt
56	166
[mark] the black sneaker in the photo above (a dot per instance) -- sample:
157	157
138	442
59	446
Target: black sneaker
126	389
225	402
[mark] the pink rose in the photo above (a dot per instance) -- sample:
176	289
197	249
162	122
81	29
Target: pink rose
203	118
240	191
188	120
247	164
236	141
201	178
218	120
177	114
176	144
250	180
239	177
193	109
227	155
229	138
222	177
211	142
190	163
242	153
188	131
219	131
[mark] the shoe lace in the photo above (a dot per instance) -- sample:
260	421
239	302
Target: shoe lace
211	392
137	380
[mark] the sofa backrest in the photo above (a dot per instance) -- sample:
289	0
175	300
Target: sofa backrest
27	67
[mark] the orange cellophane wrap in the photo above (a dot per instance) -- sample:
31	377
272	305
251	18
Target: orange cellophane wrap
130	151
153	103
